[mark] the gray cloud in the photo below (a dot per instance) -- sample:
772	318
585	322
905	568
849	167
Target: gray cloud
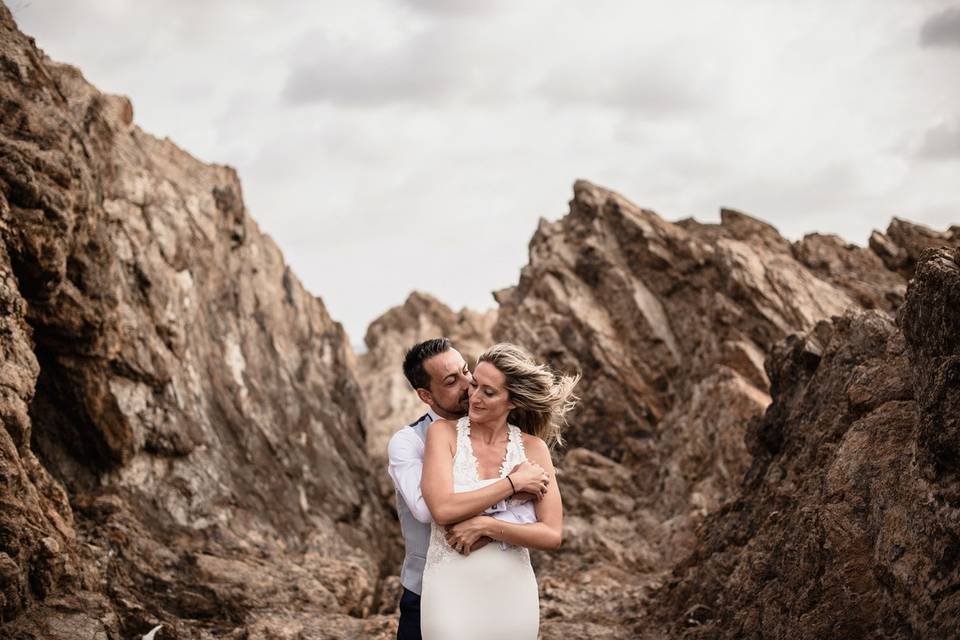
806	200
942	29
651	90
424	68
941	142
456	7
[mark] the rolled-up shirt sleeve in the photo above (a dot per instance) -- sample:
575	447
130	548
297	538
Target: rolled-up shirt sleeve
496	508
405	456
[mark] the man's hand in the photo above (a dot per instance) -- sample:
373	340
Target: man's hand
463	535
529	477
480	543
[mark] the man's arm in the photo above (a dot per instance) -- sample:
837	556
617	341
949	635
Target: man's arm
405	468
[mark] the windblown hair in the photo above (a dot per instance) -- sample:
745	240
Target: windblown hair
541	395
413	369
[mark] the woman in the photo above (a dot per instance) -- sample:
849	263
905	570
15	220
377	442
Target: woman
472	589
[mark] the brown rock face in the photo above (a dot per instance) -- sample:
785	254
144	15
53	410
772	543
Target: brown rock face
904	242
188	442
182	437
847	524
861	273
647	308
670	324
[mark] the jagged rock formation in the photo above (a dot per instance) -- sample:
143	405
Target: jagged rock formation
182	437
847	523
903	244
389	400
185	441
670	324
859	272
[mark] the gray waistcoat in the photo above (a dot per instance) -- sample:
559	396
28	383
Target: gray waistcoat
416	535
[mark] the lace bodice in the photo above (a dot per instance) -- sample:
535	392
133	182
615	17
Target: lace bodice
465	466
466	477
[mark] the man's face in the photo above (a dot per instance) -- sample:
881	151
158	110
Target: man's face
450	380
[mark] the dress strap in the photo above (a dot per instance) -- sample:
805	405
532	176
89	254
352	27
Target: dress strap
515	453
518	438
463	430
464	462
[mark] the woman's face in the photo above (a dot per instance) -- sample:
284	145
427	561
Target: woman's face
489	400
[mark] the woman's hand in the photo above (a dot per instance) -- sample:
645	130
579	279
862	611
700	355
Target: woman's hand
529	477
463	535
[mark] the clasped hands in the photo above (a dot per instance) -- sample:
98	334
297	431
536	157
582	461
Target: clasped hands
531	483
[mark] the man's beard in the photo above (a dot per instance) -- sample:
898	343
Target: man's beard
460	409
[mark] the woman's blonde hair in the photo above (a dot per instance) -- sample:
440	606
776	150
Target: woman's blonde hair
541	395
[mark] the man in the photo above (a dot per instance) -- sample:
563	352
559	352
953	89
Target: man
441	379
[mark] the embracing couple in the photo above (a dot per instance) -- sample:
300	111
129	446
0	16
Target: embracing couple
476	489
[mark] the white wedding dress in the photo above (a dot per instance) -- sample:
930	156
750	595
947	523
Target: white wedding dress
491	594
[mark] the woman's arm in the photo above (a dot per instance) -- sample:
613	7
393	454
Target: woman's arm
448	507
545	534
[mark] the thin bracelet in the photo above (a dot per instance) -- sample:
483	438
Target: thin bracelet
511	486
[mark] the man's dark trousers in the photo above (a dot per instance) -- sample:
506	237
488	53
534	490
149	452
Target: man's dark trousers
409	628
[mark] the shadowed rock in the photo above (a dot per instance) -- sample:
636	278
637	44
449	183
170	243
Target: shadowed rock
185	442
903	243
182	437
847	524
670	324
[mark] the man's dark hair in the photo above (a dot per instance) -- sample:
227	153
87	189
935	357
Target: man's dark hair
417	376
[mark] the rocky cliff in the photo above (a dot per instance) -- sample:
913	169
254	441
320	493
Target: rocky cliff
847	523
767	443
183	432
670	324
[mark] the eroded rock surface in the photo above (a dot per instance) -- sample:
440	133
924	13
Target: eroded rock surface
670	324
183	430
847	524
185	440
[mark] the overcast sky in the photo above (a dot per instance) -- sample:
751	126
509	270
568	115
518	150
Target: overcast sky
392	145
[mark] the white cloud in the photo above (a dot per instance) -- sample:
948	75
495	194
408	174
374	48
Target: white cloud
457	7
397	144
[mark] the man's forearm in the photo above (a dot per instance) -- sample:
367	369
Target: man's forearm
460	506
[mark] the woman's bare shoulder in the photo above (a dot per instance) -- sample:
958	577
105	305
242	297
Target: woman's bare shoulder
535	446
